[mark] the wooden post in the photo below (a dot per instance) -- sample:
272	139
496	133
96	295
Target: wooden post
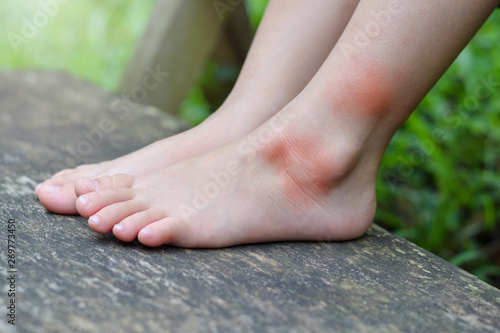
181	36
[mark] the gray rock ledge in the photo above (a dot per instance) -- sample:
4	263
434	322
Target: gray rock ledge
71	279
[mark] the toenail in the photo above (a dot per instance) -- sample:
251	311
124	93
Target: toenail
119	227
51	189
94	220
84	200
145	232
91	184
38	187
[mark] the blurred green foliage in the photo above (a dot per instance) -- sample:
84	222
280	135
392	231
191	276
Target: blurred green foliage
91	39
439	184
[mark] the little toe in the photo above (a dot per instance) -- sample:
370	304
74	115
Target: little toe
91	203
57	199
87	185
171	230
128	229
106	218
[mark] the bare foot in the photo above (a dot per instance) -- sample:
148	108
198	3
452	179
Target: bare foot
57	194
297	177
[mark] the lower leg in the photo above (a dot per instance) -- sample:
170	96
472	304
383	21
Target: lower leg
293	40
269	79
390	56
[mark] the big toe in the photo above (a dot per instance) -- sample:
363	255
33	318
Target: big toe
59	199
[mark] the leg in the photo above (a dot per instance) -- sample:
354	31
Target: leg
269	79
298	176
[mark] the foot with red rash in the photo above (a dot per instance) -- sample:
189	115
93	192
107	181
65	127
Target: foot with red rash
296	177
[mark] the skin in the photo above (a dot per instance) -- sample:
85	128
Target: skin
313	176
317	175
265	85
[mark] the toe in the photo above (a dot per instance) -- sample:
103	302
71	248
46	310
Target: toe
91	203
171	230
57	199
57	194
104	220
62	176
128	229
70	175
86	185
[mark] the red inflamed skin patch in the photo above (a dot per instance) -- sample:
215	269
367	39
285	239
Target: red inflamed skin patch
364	89
303	167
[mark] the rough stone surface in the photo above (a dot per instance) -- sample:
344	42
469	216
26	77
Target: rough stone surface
71	279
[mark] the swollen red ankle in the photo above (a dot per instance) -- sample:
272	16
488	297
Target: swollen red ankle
309	167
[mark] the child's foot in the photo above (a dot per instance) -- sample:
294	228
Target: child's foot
300	176
57	194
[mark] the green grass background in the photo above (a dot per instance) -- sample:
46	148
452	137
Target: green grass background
439	185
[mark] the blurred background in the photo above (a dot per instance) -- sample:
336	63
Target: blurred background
439	185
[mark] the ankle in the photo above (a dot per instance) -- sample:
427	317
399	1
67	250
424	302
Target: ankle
311	170
311	159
